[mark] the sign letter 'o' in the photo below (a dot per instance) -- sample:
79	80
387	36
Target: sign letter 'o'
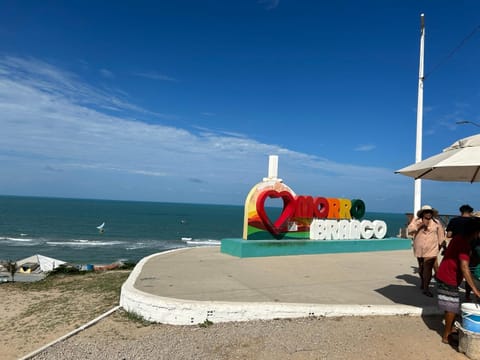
358	209
379	229
320	207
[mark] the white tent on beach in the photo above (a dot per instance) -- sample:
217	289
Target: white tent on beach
45	263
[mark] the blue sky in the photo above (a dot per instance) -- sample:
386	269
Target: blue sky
183	101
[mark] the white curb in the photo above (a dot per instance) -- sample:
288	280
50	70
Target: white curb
188	312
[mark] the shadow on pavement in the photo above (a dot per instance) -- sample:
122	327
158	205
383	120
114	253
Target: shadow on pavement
407	295
434	322
410	279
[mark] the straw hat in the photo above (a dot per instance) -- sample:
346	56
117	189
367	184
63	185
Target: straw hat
426	208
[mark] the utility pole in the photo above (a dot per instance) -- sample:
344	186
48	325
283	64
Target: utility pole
417	199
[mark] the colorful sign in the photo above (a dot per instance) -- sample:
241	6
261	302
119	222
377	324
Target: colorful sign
304	216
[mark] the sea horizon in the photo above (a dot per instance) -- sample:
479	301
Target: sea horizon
66	228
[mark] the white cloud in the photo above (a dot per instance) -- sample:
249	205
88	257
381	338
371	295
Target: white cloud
155	76
269	4
365	147
57	139
106	73
52	82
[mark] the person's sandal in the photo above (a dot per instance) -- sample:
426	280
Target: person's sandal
453	339
428	293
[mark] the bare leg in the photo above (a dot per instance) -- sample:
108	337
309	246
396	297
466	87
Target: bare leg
449	319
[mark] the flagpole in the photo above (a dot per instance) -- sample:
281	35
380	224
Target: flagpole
418	153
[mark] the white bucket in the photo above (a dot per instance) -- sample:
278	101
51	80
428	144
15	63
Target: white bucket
471	317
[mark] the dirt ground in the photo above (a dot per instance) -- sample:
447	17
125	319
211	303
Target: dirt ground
32	316
399	337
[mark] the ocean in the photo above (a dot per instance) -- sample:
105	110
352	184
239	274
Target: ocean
66	229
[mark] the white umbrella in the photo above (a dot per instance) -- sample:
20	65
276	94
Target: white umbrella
458	162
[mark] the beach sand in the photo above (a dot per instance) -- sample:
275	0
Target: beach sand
326	338
24	328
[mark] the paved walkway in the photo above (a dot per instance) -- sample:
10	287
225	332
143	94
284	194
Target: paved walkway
343	284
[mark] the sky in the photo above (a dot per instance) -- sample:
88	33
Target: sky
183	101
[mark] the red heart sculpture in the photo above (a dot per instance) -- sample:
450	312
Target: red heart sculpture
280	225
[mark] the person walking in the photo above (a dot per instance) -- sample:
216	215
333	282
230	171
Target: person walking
428	237
474	263
453	269
455	225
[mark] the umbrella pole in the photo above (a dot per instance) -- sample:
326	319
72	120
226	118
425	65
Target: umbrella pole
418	152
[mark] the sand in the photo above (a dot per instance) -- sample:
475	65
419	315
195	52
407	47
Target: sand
339	338
119	337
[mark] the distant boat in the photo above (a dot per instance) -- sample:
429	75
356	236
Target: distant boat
100	228
186	239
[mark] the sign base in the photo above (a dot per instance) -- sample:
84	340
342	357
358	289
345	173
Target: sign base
260	248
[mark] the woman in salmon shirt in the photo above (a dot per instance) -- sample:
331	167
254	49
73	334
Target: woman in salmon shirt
428	237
